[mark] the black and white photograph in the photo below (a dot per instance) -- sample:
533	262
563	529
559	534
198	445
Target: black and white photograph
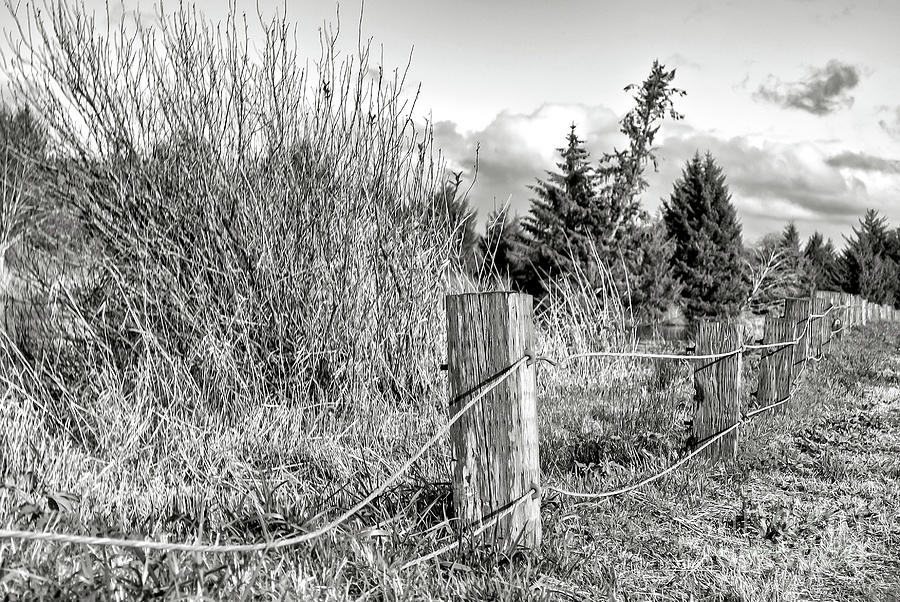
485	300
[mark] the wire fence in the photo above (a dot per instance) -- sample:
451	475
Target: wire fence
477	395
145	544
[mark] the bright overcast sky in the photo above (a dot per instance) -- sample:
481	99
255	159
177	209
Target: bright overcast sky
796	99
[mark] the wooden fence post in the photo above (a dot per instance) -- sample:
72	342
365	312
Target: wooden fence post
825	302
797	309
495	445
776	365
819	325
844	315
717	385
863	311
854	312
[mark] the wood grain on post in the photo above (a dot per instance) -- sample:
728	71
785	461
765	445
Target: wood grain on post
864	311
797	309
776	365
495	445
717	385
818	326
833	319
845	315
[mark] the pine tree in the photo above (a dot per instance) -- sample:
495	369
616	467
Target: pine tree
654	288
582	214
703	224
503	250
820	264
561	227
866	265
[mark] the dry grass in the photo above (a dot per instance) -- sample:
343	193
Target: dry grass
240	268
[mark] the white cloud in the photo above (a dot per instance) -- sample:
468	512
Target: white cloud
770	182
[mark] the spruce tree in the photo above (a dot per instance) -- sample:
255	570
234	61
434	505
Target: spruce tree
792	277
704	227
503	250
561	227
654	287
866	265
820	264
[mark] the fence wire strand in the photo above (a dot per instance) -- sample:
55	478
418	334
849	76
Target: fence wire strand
145	544
669	469
484	527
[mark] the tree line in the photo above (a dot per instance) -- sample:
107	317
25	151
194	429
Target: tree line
586	221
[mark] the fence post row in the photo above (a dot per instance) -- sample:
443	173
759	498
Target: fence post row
495	445
776	365
717	385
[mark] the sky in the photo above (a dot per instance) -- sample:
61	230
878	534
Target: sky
797	100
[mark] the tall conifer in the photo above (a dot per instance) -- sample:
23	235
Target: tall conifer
703	224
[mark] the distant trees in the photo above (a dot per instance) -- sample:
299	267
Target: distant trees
869	263
502	250
703	225
654	287
820	263
585	214
564	225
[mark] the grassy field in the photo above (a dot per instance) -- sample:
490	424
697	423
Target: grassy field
230	269
809	510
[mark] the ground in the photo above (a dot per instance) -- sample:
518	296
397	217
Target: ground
809	510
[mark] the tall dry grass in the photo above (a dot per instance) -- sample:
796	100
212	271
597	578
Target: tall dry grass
261	256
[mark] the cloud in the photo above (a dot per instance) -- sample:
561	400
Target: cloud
770	182
864	162
516	148
891	124
791	181
824	91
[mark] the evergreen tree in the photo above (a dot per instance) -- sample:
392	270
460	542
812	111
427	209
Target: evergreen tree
820	264
503	250
562	225
704	226
582	214
790	242
791	258
654	288
866	265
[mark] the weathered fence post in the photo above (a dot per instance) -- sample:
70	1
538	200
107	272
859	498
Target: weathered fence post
846	315
819	325
495	445
822	306
797	309
776	364
717	385
863	311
